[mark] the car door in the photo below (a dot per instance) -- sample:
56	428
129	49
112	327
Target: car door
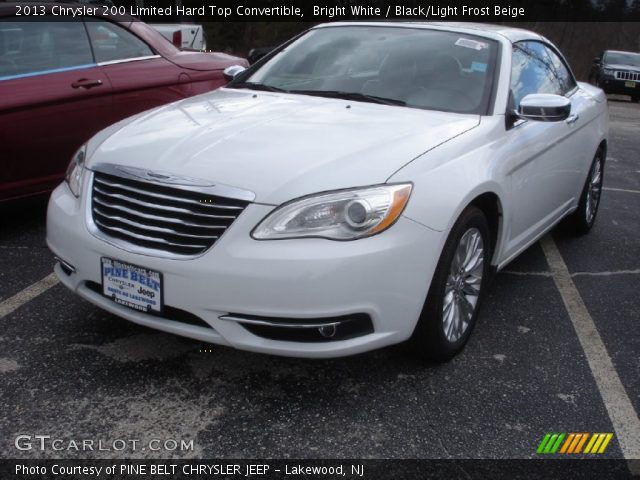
542	159
141	79
53	98
580	144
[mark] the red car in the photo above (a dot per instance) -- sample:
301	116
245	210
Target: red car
63	81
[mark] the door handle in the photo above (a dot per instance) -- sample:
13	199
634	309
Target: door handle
86	83
571	119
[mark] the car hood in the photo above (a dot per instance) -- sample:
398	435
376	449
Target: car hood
278	146
204	61
620	66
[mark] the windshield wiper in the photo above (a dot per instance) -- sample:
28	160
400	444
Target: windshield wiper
357	96
257	86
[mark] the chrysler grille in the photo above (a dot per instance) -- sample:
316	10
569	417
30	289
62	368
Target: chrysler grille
628	76
159	217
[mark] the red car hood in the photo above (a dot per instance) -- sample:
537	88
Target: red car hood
206	60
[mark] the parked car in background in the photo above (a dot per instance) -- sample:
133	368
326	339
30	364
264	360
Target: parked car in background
355	189
183	36
63	81
618	73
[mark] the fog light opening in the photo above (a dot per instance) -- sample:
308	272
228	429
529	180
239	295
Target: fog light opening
328	331
66	267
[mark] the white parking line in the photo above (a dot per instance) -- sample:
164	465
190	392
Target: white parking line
626	190
606	274
574	274
28	294
621	412
526	274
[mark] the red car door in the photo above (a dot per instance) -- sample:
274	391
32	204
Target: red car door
53	98
140	78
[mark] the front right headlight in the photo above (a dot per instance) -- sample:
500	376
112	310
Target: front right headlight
75	171
607	71
338	215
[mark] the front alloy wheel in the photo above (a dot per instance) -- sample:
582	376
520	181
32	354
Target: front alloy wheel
457	288
463	285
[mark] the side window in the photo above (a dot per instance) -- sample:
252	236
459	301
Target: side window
111	42
533	70
40	47
560	70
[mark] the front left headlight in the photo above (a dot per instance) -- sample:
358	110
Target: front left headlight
340	215
75	171
607	71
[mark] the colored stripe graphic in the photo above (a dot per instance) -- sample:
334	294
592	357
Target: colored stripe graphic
582	441
606	441
567	442
550	443
555	447
593	439
572	443
543	443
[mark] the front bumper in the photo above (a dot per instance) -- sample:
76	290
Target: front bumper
385	277
615	86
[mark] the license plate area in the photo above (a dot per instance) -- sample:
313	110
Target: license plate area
130	285
630	84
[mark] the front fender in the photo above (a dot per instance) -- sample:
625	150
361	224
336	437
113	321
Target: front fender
451	176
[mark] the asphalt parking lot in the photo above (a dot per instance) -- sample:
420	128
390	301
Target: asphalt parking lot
70	370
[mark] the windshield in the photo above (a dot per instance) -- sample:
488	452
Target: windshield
623	58
417	68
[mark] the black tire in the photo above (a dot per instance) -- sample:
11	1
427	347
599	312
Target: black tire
635	98
429	340
583	218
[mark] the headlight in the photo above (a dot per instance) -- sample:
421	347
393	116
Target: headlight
75	171
607	71
339	215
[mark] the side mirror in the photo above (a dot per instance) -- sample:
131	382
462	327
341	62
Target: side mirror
596	60
233	71
544	107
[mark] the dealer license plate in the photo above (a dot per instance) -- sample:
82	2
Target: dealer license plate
630	84
135	287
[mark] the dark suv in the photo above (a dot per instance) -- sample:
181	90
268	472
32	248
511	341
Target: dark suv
617	72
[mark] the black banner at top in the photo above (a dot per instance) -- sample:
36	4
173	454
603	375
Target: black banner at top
333	10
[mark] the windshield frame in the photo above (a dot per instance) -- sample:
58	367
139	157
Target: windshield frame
490	92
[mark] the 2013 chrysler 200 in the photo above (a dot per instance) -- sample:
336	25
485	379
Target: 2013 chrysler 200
353	189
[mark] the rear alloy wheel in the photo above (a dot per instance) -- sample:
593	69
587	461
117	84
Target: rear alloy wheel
585	215
457	288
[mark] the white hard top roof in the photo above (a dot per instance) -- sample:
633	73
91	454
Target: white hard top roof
483	29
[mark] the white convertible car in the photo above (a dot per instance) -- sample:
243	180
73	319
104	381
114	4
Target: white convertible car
355	188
